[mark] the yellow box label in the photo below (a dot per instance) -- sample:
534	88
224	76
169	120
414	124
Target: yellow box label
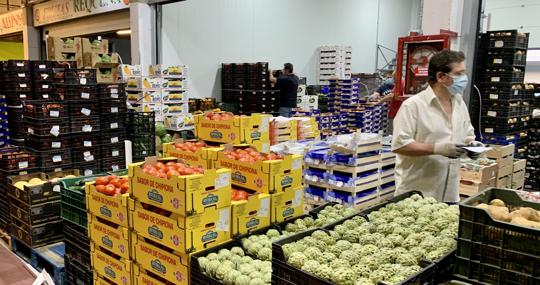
287	205
172	267
116	270
251	215
184	195
183	234
114	209
114	239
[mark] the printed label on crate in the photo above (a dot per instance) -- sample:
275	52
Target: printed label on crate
82	81
495	79
87	143
516	92
492	114
23	164
23	85
114	109
493	96
85	95
87	128
497	60
22	75
56	144
488	130
115	153
45	96
54	113
114	140
86	111
55	130
286	181
114	125
114	91
264	209
57	158
88	172
499	44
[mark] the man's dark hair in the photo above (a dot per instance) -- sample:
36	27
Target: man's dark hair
288	66
442	62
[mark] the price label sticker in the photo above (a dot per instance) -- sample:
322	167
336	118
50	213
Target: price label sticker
55	130
23	85
114	125
488	130
87	128
89	158
88	172
54	113
87	153
86	112
223	180
45	86
114	91
497	61
298	198
22	96
82	81
42	66
494	96
23	164
495	79
20	64
56	144
57	158
45	96
56	188
264	209
115	153
22	75
114	109
297	164
85	95
223	221
516	92
492	114
30	131
499	44
87	143
44	76
115	167
114	140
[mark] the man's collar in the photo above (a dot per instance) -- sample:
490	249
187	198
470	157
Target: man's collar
430	95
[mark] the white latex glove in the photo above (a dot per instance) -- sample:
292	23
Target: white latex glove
449	149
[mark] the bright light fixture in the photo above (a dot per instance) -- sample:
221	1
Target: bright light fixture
123	32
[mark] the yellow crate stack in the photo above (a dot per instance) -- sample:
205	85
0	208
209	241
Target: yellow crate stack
199	158
237	130
172	218
110	239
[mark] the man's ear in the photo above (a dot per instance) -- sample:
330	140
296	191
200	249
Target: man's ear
440	75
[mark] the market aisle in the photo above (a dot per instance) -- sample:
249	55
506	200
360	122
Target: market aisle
12	270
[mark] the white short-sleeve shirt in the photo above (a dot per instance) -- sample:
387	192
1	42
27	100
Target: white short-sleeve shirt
422	119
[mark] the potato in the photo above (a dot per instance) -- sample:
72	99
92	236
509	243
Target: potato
499	213
497	202
482	206
527	213
517	220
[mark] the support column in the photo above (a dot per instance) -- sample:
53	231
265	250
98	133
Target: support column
31	36
143	33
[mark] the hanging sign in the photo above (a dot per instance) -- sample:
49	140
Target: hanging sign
11	22
60	10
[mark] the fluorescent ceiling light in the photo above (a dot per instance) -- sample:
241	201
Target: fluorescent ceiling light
124	32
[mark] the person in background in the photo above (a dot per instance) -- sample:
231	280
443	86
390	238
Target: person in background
385	92
430	130
287	84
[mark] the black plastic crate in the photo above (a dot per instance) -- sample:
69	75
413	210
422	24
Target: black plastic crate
85	140
109	137
85	124
75	273
73	207
143	146
17	65
508	74
508	39
38	109
500	108
43	75
113	122
496	252
113	151
42	143
47	127
54	157
86	154
506	57
113	164
113	106
78	93
34	214
77	76
112	91
40	65
17	159
77	246
39	235
83	108
88	169
16	98
141	122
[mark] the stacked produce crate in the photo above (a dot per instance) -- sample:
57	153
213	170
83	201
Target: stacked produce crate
504	156
283	130
532	170
174	217
506	100
334	62
4	124
141	131
65	50
477	175
387	185
113	112
344	95
248	85
96	55
518	174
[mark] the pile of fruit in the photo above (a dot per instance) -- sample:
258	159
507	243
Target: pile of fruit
190	146
112	185
170	169
521	216
239	195
250	155
218	116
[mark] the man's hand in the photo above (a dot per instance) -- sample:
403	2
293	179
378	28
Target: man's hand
449	149
475	155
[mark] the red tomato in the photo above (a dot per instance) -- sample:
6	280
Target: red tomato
172	173
100	188
115	182
124	187
102	181
242	195
109	190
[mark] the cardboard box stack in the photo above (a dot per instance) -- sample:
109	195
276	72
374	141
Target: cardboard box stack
283	130
334	62
477	175
504	156
96	55
68	49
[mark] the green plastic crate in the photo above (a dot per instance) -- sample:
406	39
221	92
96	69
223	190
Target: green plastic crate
74	201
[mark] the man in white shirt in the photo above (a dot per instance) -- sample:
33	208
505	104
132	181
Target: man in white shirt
430	130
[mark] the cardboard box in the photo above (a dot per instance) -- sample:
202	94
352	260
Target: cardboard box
312	102
287	205
177	122
137	97
174	96
144	82
184	195
116	270
237	130
172	266
96	46
171	109
141	277
250	215
199	158
107	75
163	70
469	188
115	239
486	172
262	176
148	107
519	164
504	171
173	83
504	182
110	208
130	70
503	154
90	59
183	234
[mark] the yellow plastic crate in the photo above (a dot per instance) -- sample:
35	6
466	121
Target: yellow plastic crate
287	205
262	176
250	215
180	233
113	209
173	267
115	239
116	270
237	130
184	195
198	158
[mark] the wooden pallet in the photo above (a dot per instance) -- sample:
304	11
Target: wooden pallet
49	257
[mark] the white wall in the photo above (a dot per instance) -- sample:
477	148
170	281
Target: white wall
205	33
515	14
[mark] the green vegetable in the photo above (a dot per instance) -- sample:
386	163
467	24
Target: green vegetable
160	129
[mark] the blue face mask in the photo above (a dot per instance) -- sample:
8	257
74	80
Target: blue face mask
459	85
389	81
